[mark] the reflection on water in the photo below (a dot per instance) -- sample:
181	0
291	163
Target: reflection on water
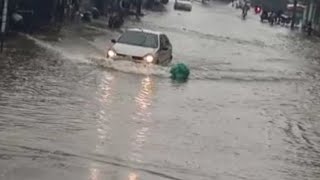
144	97
94	174
103	128
105	89
142	115
133	176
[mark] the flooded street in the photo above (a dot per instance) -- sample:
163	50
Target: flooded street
249	111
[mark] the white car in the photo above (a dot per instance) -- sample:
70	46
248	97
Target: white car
183	5
143	46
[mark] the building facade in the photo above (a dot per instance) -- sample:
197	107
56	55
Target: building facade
42	12
312	14
271	5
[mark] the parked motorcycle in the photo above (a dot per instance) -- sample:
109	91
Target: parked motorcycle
116	20
272	18
284	19
86	16
264	16
308	28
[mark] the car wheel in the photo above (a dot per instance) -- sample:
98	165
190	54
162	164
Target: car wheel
175	6
157	62
170	60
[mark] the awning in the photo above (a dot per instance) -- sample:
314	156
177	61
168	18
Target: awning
300	7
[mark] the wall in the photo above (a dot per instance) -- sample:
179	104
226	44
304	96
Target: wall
274	5
313	14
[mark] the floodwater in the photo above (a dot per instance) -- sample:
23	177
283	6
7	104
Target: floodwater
249	111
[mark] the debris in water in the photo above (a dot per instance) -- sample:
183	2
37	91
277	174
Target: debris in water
180	72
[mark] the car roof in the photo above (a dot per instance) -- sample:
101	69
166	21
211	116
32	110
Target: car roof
145	30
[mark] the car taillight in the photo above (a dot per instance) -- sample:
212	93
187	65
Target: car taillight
258	9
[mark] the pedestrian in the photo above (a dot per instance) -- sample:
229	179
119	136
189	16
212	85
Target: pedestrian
278	18
60	11
138	10
309	28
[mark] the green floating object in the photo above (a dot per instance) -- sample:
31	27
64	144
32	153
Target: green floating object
180	72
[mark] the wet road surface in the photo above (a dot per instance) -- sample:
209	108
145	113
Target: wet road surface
249	111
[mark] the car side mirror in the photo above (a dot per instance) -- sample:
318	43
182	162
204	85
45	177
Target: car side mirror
113	41
165	48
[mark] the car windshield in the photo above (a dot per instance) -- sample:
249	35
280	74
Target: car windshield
139	39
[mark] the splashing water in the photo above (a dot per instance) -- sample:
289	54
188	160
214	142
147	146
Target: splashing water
161	71
81	58
132	67
123	66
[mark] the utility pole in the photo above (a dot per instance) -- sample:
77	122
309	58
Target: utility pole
4	22
294	12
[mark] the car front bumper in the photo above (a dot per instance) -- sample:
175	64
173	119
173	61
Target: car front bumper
135	59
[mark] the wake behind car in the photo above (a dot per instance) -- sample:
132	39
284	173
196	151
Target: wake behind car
142	46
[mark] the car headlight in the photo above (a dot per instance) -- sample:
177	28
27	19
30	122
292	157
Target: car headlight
111	53
149	58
